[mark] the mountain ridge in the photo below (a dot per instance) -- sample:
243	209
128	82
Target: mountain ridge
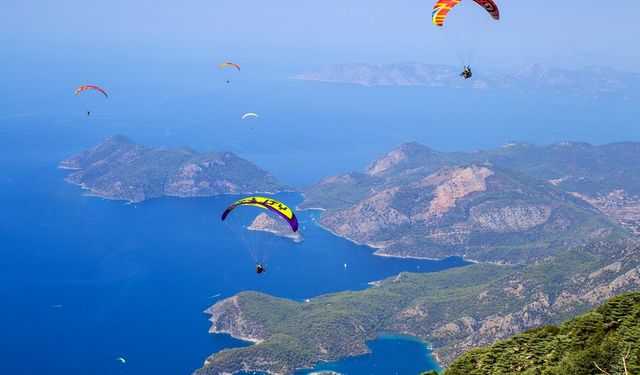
605	176
121	169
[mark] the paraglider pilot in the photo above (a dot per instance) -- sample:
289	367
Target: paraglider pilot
466	73
259	268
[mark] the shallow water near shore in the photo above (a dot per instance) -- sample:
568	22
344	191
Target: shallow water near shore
390	354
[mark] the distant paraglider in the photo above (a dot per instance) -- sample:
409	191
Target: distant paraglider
121	360
250	115
229	65
90	87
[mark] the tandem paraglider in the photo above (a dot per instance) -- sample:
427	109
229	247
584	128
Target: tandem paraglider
246	217
466	73
465	27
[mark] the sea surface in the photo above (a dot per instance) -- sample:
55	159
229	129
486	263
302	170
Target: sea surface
84	281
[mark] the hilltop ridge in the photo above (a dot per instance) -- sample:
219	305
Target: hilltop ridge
118	168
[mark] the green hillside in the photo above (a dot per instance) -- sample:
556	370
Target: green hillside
603	341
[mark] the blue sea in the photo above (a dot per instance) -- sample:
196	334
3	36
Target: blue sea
84	280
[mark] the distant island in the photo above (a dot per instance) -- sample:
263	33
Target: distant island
120	169
266	223
596	82
554	228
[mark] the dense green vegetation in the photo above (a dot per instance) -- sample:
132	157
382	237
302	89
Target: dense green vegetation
340	324
603	341
447	309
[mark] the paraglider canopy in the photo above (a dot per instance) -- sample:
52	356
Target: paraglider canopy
442	8
92	87
121	360
250	114
268	204
229	65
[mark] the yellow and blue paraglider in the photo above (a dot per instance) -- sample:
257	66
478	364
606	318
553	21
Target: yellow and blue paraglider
252	220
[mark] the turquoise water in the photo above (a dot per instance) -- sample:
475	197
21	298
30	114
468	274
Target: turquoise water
389	355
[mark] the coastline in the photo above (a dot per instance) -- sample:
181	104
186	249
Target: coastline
91	192
376	251
294	238
215	331
382	336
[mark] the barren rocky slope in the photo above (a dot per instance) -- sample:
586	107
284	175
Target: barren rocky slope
604	177
481	212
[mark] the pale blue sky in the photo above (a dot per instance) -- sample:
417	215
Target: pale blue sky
314	33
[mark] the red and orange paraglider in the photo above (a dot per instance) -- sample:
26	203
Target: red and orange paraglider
90	87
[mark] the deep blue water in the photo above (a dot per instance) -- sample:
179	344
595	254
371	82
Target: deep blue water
84	280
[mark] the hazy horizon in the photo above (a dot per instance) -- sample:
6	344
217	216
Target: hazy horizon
308	34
